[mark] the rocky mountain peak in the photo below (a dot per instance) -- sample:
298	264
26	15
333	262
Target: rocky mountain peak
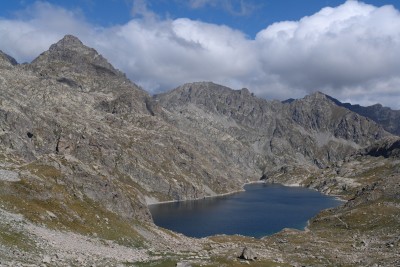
71	55
196	86
68	41
80	68
317	96
210	97
209	89
6	60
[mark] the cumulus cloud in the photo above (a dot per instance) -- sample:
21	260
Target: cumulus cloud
37	27
349	52
338	50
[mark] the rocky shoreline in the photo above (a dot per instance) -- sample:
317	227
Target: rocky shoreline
212	196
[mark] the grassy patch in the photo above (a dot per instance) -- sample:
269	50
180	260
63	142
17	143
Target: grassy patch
12	238
50	203
223	262
43	171
214	262
157	263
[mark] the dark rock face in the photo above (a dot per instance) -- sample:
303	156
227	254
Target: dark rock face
388	147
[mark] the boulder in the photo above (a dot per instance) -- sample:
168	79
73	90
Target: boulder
248	254
183	264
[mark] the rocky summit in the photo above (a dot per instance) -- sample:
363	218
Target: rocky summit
83	151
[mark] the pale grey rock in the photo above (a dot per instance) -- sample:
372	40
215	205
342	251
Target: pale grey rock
51	215
46	259
9	176
183	264
7	61
248	254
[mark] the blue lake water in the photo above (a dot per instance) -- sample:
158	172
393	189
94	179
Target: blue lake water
262	209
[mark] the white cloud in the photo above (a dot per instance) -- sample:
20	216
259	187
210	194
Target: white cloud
141	9
350	52
165	54
336	50
37	27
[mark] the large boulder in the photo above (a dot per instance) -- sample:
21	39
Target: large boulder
248	254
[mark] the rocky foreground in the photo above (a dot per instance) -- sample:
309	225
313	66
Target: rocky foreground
83	150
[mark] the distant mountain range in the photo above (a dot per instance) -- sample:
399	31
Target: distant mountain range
388	118
385	116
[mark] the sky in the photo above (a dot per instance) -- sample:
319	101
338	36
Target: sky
278	49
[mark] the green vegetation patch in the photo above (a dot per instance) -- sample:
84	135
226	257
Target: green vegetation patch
224	262
13	238
43	171
157	263
49	203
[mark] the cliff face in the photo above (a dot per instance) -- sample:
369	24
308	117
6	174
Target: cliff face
387	148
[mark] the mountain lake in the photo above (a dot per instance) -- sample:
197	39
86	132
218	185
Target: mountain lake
261	210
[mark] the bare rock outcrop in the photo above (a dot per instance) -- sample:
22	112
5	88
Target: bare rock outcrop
270	136
388	147
6	61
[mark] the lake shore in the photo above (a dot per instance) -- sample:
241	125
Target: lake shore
155	202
